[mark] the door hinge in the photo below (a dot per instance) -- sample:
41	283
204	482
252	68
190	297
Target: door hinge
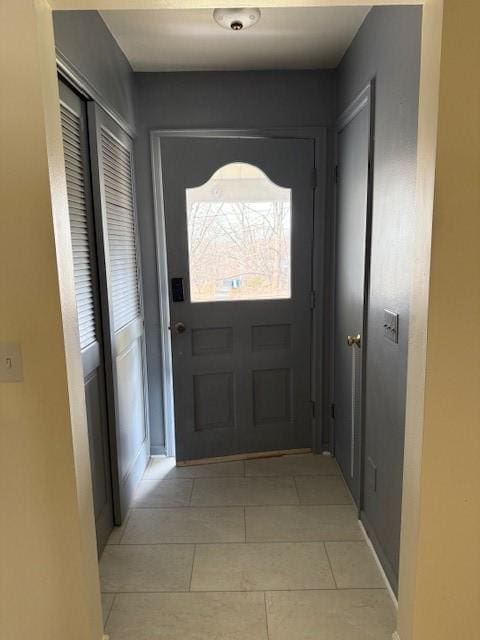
314	178
313	407
332	411
313	300
335	174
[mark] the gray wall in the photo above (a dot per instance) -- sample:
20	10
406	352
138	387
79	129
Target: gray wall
238	100
83	38
387	47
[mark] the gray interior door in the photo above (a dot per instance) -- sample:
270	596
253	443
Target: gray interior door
238	217
353	150
75	143
113	180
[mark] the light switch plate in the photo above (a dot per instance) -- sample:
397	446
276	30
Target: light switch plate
11	367
390	325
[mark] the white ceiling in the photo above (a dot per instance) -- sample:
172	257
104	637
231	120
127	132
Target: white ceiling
190	40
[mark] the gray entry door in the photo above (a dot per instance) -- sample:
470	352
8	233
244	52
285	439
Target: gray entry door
115	208
239	216
353	149
77	166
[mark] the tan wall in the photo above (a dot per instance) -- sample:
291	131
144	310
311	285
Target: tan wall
48	569
447	585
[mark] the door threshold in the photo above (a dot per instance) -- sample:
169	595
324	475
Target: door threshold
243	456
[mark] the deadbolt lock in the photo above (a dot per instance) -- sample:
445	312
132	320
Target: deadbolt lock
351	340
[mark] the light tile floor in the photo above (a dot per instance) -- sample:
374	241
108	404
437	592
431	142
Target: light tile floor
266	549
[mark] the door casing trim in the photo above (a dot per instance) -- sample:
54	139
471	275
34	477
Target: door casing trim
89	91
318	135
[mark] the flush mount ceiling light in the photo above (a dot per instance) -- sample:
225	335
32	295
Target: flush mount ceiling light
236	19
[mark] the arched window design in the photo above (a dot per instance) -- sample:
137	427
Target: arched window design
239	236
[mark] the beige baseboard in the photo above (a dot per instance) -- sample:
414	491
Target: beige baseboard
243	456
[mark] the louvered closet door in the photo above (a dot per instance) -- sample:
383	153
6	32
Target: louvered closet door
113	175
75	143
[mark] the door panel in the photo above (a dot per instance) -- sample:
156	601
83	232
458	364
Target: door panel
353	148
242	365
77	166
95	403
129	367
112	152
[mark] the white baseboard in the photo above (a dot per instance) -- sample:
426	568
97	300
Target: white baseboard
380	568
395	635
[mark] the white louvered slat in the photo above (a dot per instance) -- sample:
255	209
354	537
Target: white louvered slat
117	177
77	204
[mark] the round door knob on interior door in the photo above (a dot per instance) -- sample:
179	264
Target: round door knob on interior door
351	340
180	327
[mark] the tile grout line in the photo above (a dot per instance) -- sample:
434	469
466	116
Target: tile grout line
125	524
280	590
296	489
191	572
266	613
159	544
248	504
191	493
268	476
110	611
245	475
229	476
330	565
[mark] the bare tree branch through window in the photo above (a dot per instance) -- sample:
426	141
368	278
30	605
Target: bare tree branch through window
239	236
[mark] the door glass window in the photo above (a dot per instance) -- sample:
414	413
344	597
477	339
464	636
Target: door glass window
239	231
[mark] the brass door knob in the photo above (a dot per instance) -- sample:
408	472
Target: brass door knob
351	340
180	327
